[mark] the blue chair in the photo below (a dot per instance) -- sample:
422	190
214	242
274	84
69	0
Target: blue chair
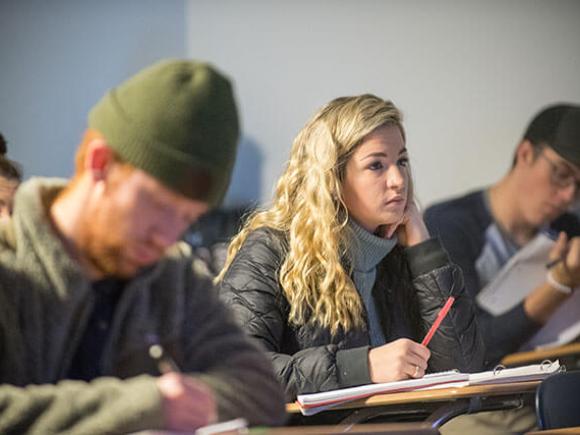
558	401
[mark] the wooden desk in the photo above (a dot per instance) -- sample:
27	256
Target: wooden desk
438	406
384	428
568	354
567	430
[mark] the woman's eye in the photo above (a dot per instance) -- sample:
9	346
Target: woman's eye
404	162
375	166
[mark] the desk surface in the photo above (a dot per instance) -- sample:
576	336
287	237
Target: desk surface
521	358
437	395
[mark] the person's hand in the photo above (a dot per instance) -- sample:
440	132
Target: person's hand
411	229
188	403
567	271
400	359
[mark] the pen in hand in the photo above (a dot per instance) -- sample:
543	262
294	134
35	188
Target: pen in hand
561	252
554	262
165	364
438	320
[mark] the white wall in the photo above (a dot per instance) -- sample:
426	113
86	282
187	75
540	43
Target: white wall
467	75
58	57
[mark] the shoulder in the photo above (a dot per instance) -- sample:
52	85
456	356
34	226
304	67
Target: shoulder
257	261
464	205
465	211
264	244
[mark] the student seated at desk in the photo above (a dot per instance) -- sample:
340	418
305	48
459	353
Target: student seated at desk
485	228
92	274
339	279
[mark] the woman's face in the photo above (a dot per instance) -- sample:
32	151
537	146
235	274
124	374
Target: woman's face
377	179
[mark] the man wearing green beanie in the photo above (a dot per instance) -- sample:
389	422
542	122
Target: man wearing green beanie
93	276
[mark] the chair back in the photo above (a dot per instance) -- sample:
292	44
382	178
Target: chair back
558	401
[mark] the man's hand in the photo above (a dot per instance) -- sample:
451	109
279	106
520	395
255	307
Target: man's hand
567	271
188	403
400	359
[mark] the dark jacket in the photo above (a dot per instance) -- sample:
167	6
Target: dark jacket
308	358
463	224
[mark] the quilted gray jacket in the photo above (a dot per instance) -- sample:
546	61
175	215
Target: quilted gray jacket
308	358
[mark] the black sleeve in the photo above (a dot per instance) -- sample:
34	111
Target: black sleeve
251	289
457	344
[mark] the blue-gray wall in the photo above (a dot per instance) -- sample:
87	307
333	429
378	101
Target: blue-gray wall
467	75
58	57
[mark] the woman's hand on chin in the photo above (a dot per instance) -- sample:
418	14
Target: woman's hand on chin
410	229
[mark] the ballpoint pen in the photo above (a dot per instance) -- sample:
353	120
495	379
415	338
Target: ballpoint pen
554	262
165	364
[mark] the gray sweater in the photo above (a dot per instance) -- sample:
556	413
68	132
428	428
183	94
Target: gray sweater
45	301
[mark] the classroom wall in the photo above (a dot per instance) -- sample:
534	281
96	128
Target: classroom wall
58	57
467	75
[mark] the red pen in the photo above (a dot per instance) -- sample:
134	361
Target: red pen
438	321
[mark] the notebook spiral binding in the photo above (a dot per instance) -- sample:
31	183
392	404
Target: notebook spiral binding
544	366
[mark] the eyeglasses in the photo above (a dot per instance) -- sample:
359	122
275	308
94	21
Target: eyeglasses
562	176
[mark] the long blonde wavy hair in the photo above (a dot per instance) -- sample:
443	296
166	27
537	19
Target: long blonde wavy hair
308	207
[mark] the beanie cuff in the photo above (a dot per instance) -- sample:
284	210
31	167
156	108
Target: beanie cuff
181	172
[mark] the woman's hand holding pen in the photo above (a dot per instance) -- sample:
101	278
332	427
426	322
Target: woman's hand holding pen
400	359
411	229
188	403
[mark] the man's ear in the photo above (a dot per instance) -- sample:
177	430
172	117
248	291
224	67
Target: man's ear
98	159
526	152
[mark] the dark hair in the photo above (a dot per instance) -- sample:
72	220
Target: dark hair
8	168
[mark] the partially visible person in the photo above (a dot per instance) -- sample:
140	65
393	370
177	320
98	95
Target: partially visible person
211	234
10	179
485	228
92	273
339	280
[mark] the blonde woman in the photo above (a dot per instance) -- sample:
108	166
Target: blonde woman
338	279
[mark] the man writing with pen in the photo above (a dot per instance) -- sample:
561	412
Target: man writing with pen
90	269
484	229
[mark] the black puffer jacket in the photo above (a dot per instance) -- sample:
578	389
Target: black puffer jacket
307	358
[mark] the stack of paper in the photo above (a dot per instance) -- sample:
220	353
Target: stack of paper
313	403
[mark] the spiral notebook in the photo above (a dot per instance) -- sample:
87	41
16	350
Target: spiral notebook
311	404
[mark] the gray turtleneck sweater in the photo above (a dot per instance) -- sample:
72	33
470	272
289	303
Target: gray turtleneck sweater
366	252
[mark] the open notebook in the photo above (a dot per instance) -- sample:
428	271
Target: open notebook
311	404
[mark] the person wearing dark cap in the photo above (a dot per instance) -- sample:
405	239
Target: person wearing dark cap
484	229
92	274
10	179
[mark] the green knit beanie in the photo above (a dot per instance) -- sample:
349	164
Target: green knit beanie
177	121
